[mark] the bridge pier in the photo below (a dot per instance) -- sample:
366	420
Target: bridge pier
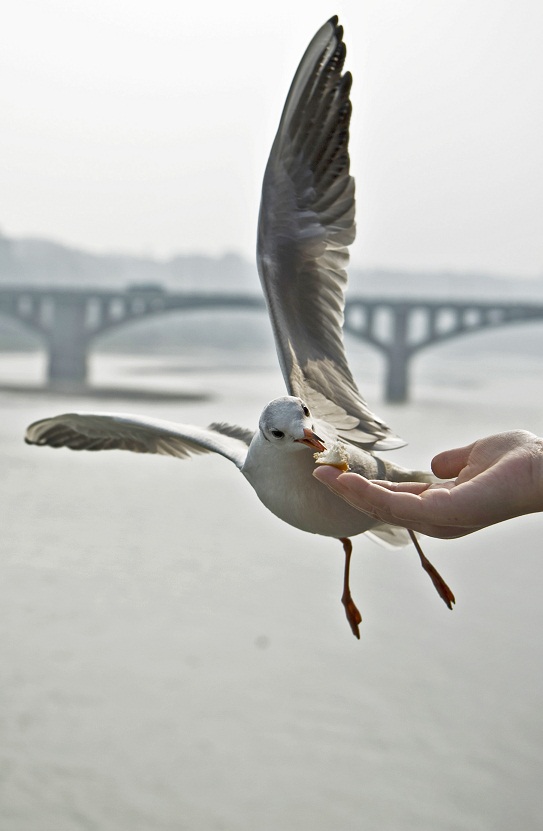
397	378
67	342
398	355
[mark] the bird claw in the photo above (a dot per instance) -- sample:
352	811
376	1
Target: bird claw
353	615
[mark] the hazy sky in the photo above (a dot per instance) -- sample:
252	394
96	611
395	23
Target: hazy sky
144	127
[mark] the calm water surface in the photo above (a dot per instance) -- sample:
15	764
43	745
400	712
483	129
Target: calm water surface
174	657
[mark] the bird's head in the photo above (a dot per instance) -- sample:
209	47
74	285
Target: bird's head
286	423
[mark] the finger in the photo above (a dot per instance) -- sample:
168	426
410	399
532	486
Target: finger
327	474
449	463
405	487
340	481
350	486
393	502
370	496
414	505
373	499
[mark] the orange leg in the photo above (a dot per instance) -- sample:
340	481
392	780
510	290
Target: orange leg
353	615
440	585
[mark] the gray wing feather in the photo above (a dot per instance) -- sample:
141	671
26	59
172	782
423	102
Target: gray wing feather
139	434
307	221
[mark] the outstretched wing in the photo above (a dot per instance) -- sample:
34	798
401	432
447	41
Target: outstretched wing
97	431
306	223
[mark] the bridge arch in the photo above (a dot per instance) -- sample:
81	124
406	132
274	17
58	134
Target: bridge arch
17	334
193	332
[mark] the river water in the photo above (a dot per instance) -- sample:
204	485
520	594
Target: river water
174	657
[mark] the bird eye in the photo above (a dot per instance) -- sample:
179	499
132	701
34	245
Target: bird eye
277	434
306	411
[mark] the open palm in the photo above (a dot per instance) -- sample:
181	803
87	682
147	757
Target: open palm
493	479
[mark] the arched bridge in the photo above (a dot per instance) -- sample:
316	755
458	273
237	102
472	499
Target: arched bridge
401	328
68	320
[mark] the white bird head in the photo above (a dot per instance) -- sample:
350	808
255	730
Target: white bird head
286	422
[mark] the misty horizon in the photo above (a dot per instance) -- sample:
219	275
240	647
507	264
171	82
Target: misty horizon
130	153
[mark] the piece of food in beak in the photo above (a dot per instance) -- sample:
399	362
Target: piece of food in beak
312	440
335	457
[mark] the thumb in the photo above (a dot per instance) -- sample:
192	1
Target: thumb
449	463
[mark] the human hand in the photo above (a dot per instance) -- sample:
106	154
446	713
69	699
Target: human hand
497	478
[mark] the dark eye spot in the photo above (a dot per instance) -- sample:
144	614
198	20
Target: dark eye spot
305	411
277	434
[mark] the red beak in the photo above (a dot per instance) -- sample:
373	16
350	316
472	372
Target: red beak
312	440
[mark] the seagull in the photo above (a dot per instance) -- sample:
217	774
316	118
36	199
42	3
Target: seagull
306	223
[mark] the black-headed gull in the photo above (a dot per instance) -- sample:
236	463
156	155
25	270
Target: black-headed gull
306	223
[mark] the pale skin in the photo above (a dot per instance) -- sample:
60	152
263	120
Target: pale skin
493	479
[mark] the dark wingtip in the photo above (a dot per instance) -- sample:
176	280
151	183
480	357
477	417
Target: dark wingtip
346	83
338	30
